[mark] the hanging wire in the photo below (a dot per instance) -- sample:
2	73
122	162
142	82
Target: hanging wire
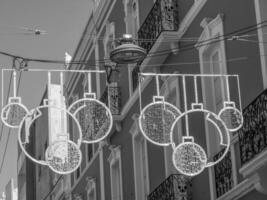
241	32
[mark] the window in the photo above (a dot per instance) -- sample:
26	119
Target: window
261	16
213	61
109	39
39	170
131	10
77	173
170	90
115	174
140	162
89	153
91	188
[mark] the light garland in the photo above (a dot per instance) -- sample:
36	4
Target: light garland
157	123
62	155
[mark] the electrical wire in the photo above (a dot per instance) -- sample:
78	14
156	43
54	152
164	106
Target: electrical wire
242	33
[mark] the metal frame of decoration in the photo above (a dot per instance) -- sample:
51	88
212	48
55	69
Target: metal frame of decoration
91	97
36	114
12	101
208	114
222	129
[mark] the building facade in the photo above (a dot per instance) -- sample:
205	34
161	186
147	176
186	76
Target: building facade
189	37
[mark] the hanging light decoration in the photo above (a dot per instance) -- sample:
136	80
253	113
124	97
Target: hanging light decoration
127	52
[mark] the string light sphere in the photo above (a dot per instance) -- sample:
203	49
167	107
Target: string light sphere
189	158
231	116
63	156
94	117
13	113
25	141
156	119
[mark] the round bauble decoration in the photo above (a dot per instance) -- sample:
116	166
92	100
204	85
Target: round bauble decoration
231	116
156	119
13	113
63	156
189	158
94	117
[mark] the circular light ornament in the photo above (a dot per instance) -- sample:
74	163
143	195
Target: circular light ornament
94	117
231	116
189	158
127	52
63	156
156	119
13	113
60	147
189	166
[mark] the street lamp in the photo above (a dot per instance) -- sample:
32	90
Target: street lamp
127	52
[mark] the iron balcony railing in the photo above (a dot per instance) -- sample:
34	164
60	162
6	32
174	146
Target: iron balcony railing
223	174
175	187
162	17
112	98
253	134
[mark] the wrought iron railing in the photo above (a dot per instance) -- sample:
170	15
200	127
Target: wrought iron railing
112	98
162	17
253	134
223	174
175	187
135	78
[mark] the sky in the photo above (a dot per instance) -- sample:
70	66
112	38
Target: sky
64	21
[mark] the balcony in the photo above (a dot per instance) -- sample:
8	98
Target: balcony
223	174
159	29
175	187
112	98
253	136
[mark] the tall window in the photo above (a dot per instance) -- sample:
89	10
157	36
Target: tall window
131	10
91	189
213	61
115	174
140	162
170	90
109	39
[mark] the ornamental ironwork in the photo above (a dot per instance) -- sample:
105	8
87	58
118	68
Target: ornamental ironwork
175	187
252	136
112	98
223	174
162	17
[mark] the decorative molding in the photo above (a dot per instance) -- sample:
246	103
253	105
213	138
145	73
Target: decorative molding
137	138
115	154
114	157
254	165
212	28
241	189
